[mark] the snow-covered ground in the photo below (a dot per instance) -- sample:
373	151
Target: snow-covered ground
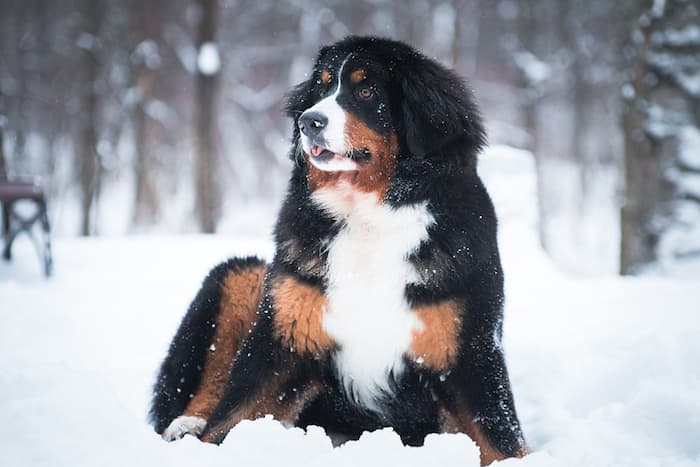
605	371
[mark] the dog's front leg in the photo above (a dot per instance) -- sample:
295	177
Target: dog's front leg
278	369
478	401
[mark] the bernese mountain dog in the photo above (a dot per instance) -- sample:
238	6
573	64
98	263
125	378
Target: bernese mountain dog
383	305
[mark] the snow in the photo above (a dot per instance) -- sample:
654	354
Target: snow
683	68
208	60
662	123
686	36
443	27
689	147
604	370
87	41
628	91
146	52
534	69
657	8
507	10
689	184
690	82
681	240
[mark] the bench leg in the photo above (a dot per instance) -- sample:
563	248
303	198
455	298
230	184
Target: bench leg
46	227
7	239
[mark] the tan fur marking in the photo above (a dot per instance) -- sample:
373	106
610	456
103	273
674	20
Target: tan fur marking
437	344
372	177
240	295
376	175
284	408
325	76
298	317
358	75
460	420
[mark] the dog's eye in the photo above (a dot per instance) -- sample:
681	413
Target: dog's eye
365	93
322	92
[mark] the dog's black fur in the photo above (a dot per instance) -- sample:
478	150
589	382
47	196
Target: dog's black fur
439	134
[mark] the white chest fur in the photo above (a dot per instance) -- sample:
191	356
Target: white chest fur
368	270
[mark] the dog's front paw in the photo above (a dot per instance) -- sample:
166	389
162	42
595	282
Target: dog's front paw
182	426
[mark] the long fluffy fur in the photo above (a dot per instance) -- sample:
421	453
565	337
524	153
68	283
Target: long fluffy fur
439	134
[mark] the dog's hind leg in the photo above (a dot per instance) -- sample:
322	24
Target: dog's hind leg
282	364
195	372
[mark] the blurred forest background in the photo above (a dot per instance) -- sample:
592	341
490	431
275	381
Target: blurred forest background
164	115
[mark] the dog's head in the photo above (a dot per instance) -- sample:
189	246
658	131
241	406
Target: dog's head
371	103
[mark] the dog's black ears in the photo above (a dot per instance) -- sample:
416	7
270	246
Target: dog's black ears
438	111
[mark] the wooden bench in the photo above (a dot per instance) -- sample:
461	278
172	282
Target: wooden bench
13	191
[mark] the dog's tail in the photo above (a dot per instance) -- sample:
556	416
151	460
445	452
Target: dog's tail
221	314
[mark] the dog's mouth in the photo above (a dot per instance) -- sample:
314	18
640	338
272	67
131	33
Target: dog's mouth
329	161
321	154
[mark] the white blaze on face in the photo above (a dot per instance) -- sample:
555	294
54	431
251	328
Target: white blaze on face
334	132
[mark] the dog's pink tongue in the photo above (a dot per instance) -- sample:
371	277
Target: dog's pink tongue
316	151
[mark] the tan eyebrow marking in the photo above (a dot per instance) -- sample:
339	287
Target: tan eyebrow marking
358	75
325	76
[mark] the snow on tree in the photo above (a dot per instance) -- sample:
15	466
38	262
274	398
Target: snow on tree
661	214
208	61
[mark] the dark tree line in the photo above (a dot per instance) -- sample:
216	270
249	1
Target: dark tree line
181	98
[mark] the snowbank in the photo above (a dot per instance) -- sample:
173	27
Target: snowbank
604	371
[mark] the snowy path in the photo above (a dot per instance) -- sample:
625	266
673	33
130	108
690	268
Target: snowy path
605	371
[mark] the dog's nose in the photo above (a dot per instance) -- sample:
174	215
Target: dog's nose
311	123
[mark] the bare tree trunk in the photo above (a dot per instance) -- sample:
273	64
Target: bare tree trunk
21	100
527	28
146	56
659	113
468	25
642	166
3	167
146	197
208	192
88	164
581	94
3	122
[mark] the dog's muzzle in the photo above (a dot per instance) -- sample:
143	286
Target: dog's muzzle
311	124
